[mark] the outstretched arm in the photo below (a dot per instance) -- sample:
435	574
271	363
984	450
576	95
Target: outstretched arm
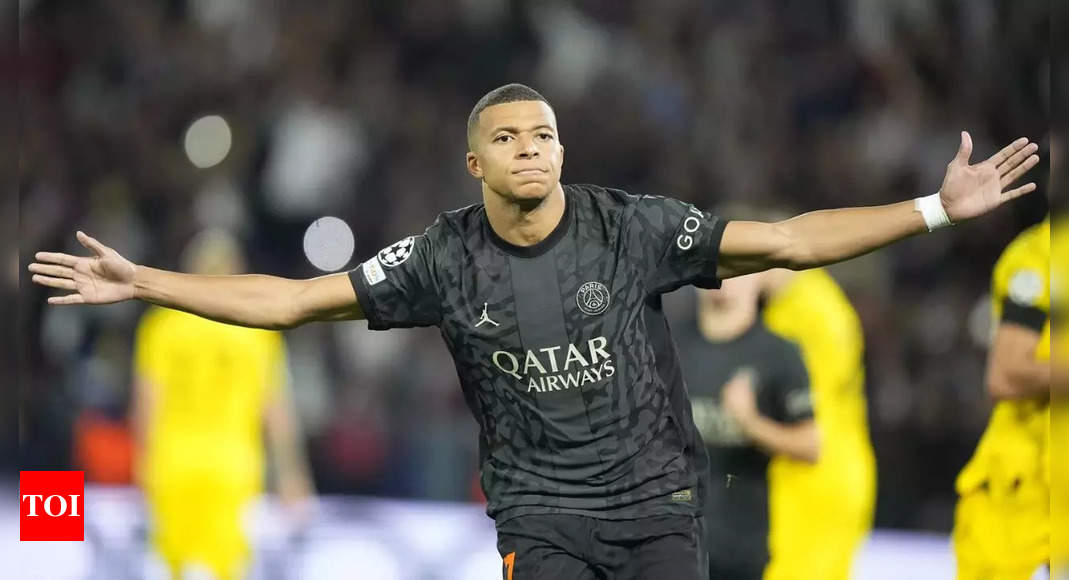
825	237
249	300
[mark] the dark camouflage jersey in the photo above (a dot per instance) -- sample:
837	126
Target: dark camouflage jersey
562	349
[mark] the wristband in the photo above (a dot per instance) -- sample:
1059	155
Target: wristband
931	208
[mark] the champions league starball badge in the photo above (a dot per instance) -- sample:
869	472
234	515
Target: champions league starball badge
394	255
592	298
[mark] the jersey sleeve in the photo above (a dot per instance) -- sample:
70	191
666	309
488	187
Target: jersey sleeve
794	401
679	243
1026	298
397	287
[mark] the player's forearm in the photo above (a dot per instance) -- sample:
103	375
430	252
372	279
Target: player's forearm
824	237
289	458
284	440
252	300
1024	380
142	406
799	442
287	454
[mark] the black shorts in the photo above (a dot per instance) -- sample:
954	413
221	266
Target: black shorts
572	547
737	545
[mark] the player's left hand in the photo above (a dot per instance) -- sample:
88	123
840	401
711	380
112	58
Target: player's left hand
738	397
969	191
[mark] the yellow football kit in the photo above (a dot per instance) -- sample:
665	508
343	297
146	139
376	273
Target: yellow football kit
1059	423
1002	520
203	456
807	538
1059	406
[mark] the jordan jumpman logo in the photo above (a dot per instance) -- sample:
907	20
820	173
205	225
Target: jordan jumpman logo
485	318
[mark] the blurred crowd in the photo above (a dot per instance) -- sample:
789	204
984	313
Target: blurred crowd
358	110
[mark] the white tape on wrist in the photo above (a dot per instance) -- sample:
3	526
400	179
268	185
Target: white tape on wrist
932	211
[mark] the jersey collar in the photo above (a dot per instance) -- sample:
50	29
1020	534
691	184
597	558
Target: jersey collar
540	248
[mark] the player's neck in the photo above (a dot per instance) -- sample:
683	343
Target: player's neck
725	326
520	223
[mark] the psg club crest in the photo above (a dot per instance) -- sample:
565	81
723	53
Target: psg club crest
592	298
395	255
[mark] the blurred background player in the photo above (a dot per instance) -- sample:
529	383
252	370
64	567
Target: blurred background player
810	309
1059	326
1059	423
1002	520
205	394
750	396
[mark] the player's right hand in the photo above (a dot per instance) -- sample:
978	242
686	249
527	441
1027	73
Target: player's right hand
738	397
103	278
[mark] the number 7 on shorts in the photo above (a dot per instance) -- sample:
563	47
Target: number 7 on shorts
508	562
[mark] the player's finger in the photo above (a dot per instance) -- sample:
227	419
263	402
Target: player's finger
1019	171
52	270
1008	150
1014	160
56	258
965	150
64	283
91	243
1018	192
67	299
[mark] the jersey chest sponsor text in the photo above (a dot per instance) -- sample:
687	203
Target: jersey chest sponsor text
557	368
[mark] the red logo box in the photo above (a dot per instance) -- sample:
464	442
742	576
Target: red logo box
51	506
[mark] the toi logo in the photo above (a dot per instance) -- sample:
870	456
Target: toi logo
51	505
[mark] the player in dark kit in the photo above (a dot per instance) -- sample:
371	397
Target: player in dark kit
749	390
548	297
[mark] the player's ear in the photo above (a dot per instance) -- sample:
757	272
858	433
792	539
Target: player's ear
474	167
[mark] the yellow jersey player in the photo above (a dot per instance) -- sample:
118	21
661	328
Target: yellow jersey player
1059	423
203	393
1002	520
806	540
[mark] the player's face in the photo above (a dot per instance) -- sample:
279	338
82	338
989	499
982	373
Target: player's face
517	153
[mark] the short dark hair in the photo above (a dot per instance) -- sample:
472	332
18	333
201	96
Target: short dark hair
509	93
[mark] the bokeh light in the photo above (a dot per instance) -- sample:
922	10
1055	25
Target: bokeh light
329	243
207	141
